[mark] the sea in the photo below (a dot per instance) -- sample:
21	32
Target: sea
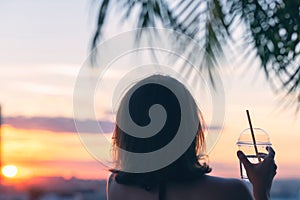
285	198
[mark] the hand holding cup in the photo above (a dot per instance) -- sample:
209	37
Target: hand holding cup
260	174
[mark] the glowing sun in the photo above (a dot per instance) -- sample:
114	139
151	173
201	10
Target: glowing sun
9	171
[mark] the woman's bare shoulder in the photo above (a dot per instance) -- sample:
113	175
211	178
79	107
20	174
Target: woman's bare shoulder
225	187
210	187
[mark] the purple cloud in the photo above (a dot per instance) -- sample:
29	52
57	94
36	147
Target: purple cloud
59	124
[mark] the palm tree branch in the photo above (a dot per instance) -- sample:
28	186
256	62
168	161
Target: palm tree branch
101	18
271	29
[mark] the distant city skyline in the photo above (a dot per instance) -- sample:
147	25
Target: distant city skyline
59	187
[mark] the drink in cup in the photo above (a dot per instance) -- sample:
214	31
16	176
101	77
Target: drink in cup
254	154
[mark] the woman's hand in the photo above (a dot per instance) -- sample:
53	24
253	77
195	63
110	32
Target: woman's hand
261	174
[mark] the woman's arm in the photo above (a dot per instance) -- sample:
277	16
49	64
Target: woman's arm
260	175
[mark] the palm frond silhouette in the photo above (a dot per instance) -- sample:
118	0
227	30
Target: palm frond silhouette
270	31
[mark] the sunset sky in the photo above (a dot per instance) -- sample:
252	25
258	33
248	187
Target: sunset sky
43	46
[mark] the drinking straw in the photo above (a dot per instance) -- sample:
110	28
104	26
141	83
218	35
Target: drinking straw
253	136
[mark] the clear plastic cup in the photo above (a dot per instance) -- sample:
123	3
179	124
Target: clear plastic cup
245	144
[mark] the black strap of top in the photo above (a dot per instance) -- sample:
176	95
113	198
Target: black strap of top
162	191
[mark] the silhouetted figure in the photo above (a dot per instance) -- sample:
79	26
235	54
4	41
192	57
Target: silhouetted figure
185	177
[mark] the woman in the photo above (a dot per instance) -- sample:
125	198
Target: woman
183	176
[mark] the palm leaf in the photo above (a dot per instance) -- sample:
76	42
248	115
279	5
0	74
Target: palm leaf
271	31
274	31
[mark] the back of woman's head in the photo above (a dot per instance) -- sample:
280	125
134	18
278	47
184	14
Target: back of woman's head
158	117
